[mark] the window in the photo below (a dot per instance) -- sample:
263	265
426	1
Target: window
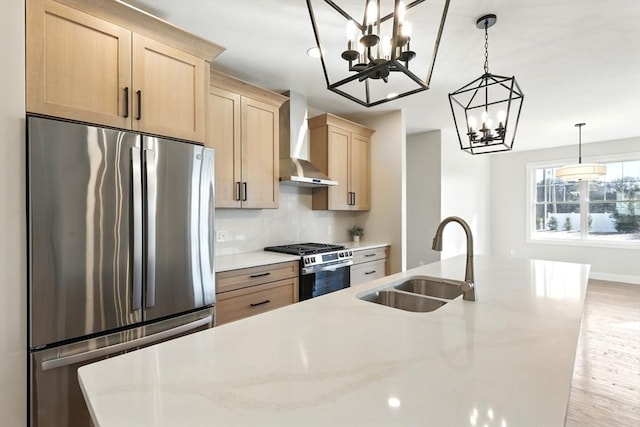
606	210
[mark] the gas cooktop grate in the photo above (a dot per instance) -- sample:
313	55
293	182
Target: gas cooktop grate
304	248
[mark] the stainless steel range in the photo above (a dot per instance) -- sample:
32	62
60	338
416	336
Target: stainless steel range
324	268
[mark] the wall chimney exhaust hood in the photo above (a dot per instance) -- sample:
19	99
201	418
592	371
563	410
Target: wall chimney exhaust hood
294	146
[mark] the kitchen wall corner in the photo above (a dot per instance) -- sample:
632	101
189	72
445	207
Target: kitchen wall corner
13	282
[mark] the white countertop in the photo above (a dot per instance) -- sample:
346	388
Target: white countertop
260	258
251	259
363	245
503	360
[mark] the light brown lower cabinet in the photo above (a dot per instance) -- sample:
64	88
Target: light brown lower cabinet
369	264
249	291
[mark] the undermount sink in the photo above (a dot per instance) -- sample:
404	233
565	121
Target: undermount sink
418	294
432	287
403	300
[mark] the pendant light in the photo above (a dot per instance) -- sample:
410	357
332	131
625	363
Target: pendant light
581	171
378	59
487	110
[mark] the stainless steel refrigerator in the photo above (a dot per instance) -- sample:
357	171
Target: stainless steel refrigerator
120	252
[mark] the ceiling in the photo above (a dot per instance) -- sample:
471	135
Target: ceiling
575	60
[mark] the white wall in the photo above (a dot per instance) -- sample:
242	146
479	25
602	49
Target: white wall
13	304
386	221
250	230
465	193
423	196
508	208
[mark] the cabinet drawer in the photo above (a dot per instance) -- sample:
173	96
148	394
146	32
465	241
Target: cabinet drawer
241	303
237	279
368	255
367	271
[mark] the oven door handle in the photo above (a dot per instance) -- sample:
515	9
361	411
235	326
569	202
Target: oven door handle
330	267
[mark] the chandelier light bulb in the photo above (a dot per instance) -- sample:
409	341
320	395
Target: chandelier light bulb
473	124
372	12
489	123
501	116
406	29
386	46
484	116
352	30
402	12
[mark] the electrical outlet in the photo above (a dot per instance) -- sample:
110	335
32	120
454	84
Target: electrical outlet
221	236
329	230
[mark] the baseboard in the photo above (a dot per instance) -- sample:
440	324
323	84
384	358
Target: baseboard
615	278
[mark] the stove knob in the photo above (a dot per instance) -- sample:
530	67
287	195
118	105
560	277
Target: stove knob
350	253
341	255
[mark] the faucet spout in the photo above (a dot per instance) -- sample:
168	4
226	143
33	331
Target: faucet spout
468	286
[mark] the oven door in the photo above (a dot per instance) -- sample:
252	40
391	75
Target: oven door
324	280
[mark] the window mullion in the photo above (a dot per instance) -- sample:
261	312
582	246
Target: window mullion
584	209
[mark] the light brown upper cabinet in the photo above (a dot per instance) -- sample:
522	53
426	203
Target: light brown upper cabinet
169	90
86	68
243	127
341	149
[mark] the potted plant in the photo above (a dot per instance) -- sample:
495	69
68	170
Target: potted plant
356	232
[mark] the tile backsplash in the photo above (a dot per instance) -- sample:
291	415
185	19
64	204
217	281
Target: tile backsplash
247	230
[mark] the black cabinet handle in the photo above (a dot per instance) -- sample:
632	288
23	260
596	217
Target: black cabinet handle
126	102
260	303
244	195
369	255
354	199
238	190
253	276
370	272
139	95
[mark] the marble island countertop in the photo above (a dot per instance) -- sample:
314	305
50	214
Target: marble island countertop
503	360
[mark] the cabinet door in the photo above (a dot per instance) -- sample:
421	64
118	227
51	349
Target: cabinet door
338	147
223	134
260	154
359	172
78	66
169	89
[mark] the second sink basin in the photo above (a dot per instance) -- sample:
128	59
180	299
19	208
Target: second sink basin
432	287
404	301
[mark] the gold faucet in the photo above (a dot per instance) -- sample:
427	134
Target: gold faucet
468	286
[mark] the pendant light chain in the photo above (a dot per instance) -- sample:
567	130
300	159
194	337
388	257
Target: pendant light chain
486	47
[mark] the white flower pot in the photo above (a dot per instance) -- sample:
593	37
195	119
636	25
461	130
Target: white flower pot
356	238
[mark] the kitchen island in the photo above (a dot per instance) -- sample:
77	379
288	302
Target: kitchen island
503	360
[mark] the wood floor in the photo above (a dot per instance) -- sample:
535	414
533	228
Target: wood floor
606	377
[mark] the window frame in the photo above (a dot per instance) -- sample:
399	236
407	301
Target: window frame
583	240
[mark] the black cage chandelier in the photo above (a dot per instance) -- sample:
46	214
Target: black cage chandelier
487	110
374	58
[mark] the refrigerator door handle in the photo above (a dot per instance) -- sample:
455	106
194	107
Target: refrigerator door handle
116	348
136	303
205	234
150	169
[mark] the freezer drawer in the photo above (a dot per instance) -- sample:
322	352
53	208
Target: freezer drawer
56	398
